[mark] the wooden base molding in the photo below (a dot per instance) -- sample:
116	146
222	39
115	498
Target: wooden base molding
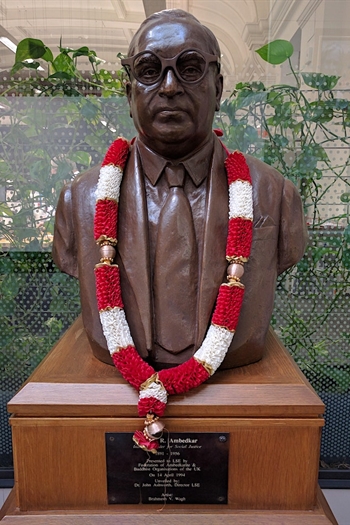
62	413
320	515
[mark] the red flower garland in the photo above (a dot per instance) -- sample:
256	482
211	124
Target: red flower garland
137	372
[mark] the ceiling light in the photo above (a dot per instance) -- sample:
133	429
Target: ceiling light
8	43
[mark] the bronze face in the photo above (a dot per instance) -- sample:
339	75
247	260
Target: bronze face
174	117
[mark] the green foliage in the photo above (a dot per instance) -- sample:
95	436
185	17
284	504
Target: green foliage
292	130
320	81
37	303
60	75
46	139
297	128
44	143
310	313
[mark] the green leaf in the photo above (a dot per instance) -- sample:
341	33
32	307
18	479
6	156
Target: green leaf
280	140
347	118
5	170
18	66
5	210
94	60
96	143
345	197
303	265
347	234
319	152
307	161
338	103
319	112
89	110
61	75
242	85
318	174
242	137
275	98
297	128
105	75
276	52
320	81
81	157
30	48
250	98
82	51
256	86
48	56
32	65
7	307
346	258
65	49
269	154
65	64
10	286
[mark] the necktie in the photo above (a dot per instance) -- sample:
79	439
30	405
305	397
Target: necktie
175	268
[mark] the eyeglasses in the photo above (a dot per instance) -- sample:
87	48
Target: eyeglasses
190	66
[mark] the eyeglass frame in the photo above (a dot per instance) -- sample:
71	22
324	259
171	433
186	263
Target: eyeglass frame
170	63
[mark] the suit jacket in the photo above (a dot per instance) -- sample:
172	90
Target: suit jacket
279	239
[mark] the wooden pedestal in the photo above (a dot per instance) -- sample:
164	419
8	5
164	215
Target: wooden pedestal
62	413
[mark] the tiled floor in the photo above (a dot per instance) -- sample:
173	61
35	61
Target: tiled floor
339	501
3	495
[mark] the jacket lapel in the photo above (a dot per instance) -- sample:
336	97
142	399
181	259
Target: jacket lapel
134	254
214	247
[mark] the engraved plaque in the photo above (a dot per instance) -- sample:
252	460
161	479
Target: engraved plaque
188	468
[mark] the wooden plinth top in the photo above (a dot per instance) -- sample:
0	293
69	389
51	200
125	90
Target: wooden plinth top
72	382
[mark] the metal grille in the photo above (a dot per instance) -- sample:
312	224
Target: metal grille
38	303
311	317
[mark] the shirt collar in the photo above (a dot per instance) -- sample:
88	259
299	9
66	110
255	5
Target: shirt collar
197	165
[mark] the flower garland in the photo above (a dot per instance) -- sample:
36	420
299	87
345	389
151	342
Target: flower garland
154	387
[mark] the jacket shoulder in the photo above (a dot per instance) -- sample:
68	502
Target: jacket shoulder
87	180
261	170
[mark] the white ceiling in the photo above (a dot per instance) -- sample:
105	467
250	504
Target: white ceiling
107	26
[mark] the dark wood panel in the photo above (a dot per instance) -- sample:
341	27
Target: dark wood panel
61	463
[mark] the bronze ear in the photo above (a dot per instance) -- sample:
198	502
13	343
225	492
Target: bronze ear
219	88
128	94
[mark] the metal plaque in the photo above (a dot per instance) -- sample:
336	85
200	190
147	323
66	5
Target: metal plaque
188	468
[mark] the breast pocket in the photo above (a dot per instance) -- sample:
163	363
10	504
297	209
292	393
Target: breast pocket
263	256
265	233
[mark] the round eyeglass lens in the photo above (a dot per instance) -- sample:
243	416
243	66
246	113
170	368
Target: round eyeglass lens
191	66
147	68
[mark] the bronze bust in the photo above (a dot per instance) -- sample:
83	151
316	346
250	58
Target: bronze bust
174	90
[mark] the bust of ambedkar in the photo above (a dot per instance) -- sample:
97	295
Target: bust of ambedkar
173	208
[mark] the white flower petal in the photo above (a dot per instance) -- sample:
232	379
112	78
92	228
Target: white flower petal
116	329
214	346
240	200
108	186
155	390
